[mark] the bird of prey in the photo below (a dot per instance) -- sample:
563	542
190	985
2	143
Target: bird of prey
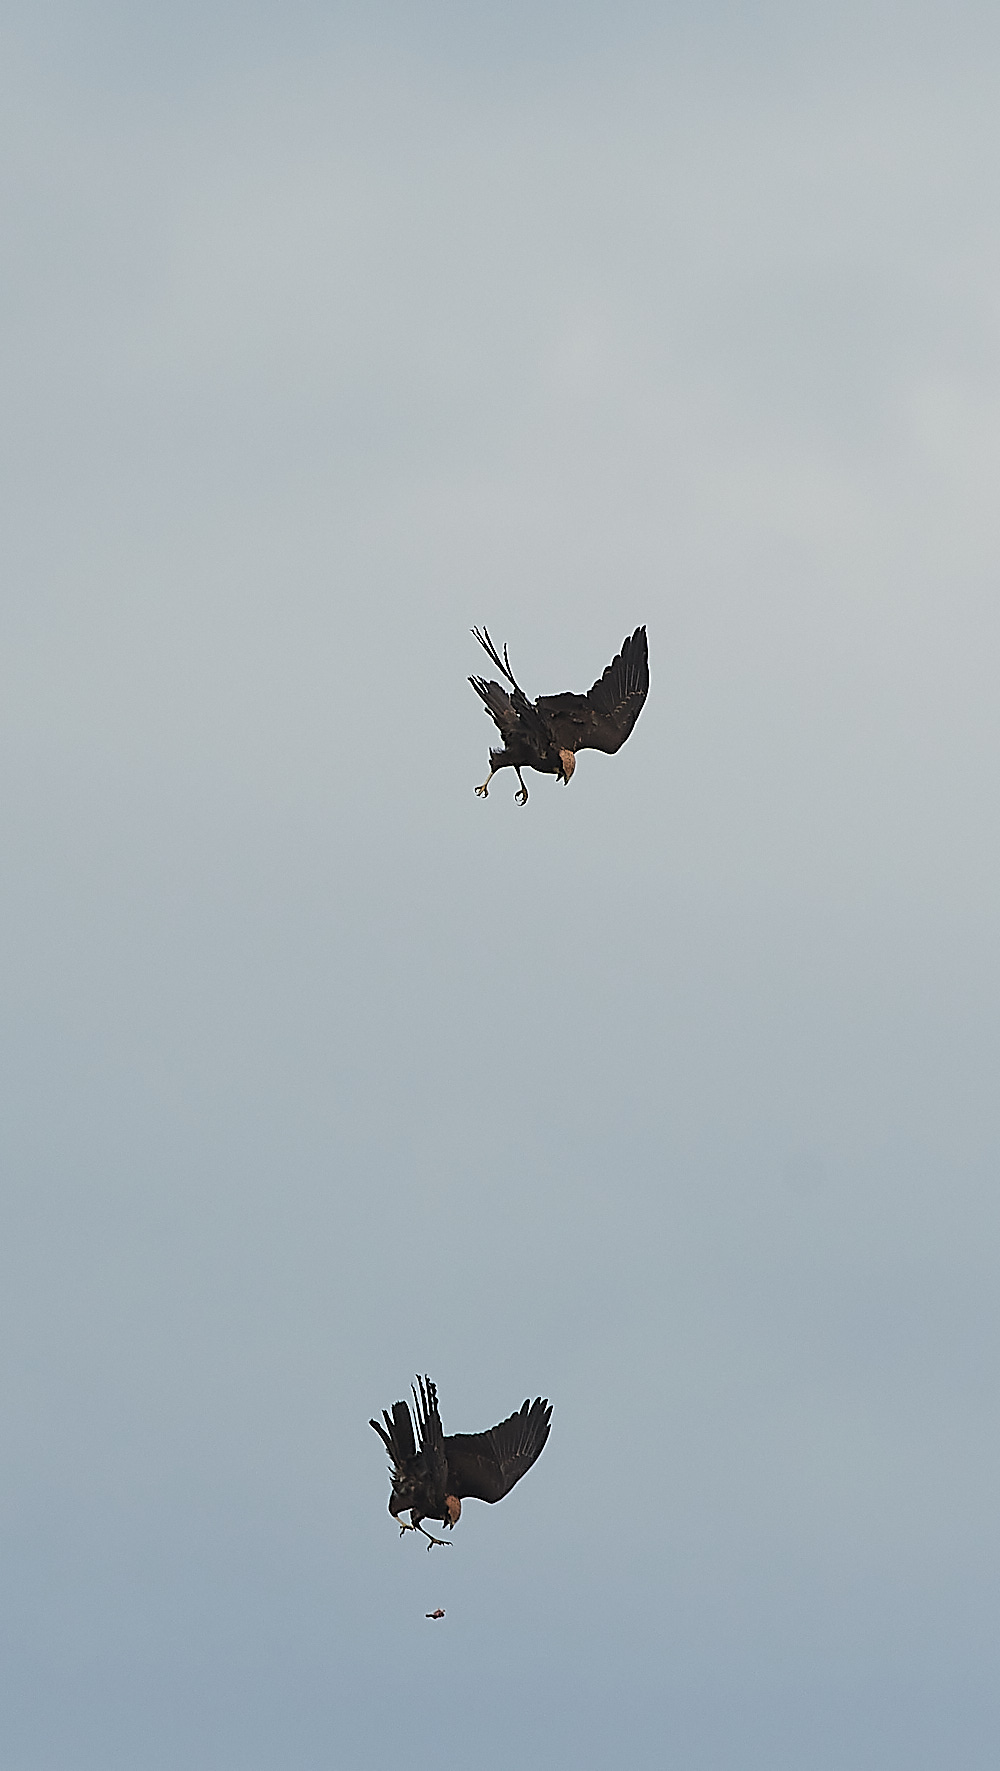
437	1613
546	734
433	1473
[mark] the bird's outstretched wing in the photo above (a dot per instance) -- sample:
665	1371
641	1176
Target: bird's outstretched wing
485	1466
603	718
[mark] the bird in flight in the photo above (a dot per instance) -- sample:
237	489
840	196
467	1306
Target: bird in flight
546	734
433	1473
437	1613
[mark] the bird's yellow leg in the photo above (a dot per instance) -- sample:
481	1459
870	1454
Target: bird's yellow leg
411	1527
443	1541
483	791
522	796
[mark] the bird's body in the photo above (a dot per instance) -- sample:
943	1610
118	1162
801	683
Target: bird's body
432	1474
545	734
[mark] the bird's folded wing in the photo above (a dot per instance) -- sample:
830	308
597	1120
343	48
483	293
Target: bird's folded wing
498	704
512	712
429	1431
397	1434
485	1466
603	718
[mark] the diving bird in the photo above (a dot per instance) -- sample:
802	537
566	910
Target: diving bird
433	1473
546	734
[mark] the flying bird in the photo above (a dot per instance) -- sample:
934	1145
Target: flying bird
433	1473
437	1613
546	734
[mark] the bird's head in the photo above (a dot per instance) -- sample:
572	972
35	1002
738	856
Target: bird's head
568	760
453	1509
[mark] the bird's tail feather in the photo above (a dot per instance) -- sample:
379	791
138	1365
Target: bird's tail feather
502	664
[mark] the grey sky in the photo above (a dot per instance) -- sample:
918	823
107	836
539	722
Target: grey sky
328	333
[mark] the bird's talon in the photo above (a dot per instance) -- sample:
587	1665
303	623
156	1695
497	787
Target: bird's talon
431	1539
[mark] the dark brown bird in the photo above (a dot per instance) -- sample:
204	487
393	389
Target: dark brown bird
437	1613
546	734
433	1474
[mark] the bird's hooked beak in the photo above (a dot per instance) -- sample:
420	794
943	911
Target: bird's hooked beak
568	760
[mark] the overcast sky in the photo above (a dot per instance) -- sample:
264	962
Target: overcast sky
328	332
